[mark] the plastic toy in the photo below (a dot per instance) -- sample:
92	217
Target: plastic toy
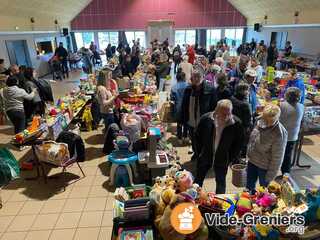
122	157
265	232
53	112
34	124
87	117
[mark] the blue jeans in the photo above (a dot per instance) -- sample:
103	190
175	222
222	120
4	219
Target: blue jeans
253	173
108	119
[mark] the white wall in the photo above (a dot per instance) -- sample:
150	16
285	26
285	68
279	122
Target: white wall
36	61
304	40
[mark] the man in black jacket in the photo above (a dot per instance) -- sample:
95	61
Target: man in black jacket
62	54
241	109
198	99
219	137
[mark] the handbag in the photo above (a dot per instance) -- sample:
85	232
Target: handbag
52	152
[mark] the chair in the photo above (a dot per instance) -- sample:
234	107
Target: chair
56	154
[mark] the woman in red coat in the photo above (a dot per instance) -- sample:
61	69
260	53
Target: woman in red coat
191	54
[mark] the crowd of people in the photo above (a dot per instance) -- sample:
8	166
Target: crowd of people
216	105
24	95
215	100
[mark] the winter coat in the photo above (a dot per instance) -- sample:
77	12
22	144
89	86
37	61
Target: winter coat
176	96
207	99
229	147
241	109
266	148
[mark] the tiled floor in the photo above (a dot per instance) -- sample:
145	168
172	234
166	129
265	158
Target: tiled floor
34	210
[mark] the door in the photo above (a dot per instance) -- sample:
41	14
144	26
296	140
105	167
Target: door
273	37
279	38
18	52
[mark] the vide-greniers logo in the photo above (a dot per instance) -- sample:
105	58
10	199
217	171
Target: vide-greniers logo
185	218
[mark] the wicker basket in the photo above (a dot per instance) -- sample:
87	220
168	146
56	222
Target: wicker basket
239	175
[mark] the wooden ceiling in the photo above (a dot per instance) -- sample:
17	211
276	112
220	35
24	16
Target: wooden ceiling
279	11
17	13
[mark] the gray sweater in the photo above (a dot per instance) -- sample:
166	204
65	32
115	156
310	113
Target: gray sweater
13	98
266	148
291	117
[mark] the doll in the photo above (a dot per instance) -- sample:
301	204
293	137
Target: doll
184	180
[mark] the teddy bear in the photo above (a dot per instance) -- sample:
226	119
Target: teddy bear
166	230
274	187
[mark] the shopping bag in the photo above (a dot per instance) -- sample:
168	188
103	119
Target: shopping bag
9	167
52	152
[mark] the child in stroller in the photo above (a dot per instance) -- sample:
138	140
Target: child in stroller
56	68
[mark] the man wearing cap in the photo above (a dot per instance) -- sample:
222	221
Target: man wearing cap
250	76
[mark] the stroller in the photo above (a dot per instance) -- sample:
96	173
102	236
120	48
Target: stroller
56	69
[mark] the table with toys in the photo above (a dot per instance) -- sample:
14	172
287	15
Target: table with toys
143	212
57	119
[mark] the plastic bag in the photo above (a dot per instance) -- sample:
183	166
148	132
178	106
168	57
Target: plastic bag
53	153
9	167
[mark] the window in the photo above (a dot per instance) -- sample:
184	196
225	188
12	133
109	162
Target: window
83	39
239	36
105	38
185	37
234	36
213	36
141	35
180	37
114	38
142	38
230	35
190	36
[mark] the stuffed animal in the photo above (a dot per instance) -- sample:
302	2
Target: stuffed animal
274	187
313	203
244	204
174	169
166	230
267	201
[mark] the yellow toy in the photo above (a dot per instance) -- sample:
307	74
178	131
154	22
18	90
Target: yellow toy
87	117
